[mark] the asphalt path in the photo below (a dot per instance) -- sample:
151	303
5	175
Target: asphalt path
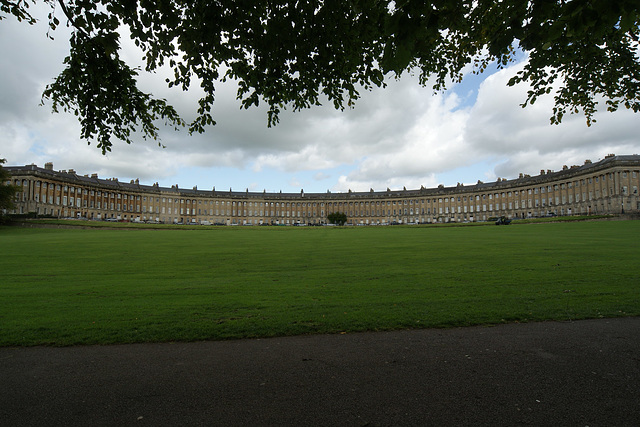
582	373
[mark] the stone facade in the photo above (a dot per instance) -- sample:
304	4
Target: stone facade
609	186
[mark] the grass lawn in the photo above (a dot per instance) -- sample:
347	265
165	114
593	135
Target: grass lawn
99	286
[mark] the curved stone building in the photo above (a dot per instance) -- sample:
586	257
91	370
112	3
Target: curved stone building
609	186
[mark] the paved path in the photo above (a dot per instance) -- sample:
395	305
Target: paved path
584	373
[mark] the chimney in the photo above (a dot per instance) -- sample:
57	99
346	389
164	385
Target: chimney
48	166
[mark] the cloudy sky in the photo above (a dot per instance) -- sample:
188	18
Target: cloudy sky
400	136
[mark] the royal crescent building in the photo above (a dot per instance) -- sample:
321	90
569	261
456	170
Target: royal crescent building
609	186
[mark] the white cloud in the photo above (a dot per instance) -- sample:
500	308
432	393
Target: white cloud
525	139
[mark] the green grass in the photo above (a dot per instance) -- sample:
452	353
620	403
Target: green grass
99	286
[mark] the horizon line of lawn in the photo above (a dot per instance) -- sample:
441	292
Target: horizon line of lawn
70	223
85	286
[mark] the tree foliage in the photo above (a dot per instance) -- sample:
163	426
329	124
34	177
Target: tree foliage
338	218
293	54
7	191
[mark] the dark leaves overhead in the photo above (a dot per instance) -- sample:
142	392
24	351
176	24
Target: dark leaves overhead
293	54
101	90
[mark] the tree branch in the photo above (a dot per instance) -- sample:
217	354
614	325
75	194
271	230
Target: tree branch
71	19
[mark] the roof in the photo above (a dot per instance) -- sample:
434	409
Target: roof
134	186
